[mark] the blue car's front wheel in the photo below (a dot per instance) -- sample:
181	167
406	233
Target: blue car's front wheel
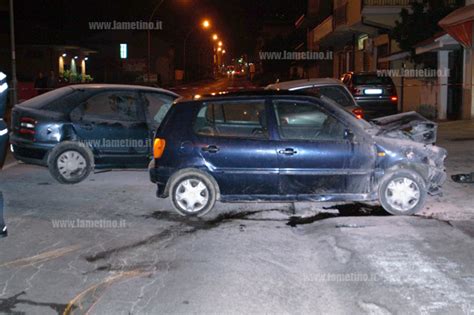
402	192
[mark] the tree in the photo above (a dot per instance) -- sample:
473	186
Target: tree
421	22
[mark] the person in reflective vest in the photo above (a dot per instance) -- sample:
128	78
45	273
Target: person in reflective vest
3	142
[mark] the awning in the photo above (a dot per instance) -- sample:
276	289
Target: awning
440	42
396	56
459	24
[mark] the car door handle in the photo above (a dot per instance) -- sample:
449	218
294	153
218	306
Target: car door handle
288	151
211	149
87	126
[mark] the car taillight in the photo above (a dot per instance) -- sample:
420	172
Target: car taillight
358	112
27	126
394	99
158	147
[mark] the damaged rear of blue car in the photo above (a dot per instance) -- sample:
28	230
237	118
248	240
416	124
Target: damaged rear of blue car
281	146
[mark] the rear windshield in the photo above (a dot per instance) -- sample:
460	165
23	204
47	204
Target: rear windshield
40	101
371	79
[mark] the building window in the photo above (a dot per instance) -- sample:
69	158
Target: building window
123	51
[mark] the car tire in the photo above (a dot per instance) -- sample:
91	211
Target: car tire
70	162
193	193
402	192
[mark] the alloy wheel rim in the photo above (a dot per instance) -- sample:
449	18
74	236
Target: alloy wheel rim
192	195
71	164
403	194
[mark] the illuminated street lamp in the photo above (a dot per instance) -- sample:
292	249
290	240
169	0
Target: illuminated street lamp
206	24
220	44
215	37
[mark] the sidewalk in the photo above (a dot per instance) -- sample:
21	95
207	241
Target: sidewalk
457	202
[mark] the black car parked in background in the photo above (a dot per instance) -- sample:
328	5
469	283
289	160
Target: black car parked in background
374	92
74	129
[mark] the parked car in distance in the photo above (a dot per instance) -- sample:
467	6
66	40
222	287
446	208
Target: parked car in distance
76	129
328	87
285	146
374	92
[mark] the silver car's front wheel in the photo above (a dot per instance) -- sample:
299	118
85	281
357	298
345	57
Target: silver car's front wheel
402	193
193	192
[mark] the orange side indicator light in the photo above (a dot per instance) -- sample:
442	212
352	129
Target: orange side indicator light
158	147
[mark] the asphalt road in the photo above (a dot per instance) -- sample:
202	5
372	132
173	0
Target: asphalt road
108	246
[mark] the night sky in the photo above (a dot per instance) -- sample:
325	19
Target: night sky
237	21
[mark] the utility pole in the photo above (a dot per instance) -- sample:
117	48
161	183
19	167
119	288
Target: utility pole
149	39
13	50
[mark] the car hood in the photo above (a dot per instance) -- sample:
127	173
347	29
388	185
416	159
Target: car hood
409	125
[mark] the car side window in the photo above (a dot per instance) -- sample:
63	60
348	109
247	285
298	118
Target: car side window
121	106
306	121
237	119
337	93
157	106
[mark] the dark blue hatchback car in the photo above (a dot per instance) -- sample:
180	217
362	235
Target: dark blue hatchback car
281	146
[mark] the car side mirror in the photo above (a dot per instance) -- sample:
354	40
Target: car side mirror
349	135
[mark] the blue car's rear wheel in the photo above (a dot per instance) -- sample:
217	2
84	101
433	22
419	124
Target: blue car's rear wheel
193	193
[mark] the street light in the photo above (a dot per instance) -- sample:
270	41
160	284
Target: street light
206	24
220	44
215	37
